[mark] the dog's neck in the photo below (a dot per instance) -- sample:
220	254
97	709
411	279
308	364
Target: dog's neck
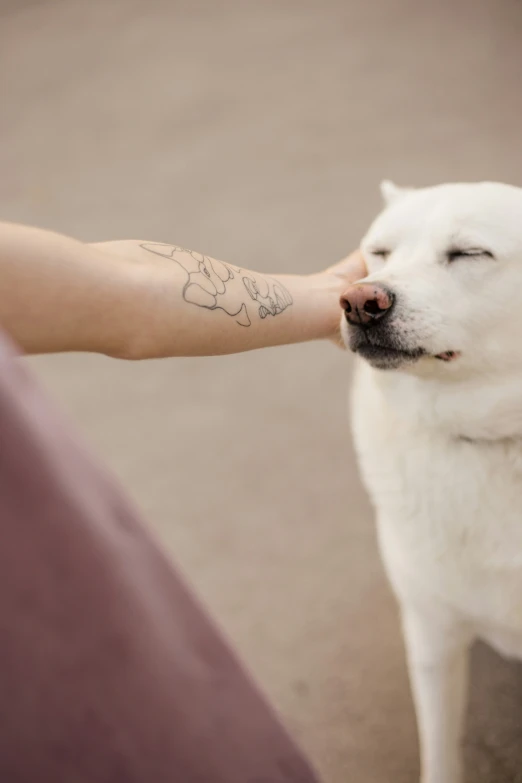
481	410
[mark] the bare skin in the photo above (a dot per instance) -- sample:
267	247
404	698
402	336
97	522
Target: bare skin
135	299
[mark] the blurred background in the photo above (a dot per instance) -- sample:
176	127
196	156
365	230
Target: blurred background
258	132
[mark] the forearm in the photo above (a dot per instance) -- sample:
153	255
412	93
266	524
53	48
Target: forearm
141	299
190	305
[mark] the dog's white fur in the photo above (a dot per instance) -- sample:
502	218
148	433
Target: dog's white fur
440	443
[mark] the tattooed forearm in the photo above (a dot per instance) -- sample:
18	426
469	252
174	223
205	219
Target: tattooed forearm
218	286
271	296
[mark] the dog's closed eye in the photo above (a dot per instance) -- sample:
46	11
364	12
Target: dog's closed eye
456	253
380	252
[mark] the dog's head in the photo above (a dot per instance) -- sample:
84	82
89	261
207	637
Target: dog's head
445	277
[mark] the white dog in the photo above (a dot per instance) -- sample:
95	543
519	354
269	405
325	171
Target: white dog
437	417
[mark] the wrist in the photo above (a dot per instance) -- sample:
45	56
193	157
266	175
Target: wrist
325	291
316	310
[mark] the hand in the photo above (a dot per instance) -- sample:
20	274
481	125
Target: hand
350	269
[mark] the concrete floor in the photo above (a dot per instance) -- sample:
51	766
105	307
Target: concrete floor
257	132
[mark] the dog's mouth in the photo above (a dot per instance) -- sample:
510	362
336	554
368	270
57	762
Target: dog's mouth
387	355
447	356
387	349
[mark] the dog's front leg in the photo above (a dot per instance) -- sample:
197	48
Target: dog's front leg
437	645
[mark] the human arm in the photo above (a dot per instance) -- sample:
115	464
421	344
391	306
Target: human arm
134	299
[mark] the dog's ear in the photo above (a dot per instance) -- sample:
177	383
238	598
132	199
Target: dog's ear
392	192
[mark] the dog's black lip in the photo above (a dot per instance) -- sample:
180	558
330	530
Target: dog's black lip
370	348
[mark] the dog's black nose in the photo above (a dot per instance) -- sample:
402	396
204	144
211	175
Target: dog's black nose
366	303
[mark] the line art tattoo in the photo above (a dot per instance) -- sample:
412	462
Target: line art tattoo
218	286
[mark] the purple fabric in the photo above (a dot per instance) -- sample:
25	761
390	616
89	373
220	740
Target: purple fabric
110	672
